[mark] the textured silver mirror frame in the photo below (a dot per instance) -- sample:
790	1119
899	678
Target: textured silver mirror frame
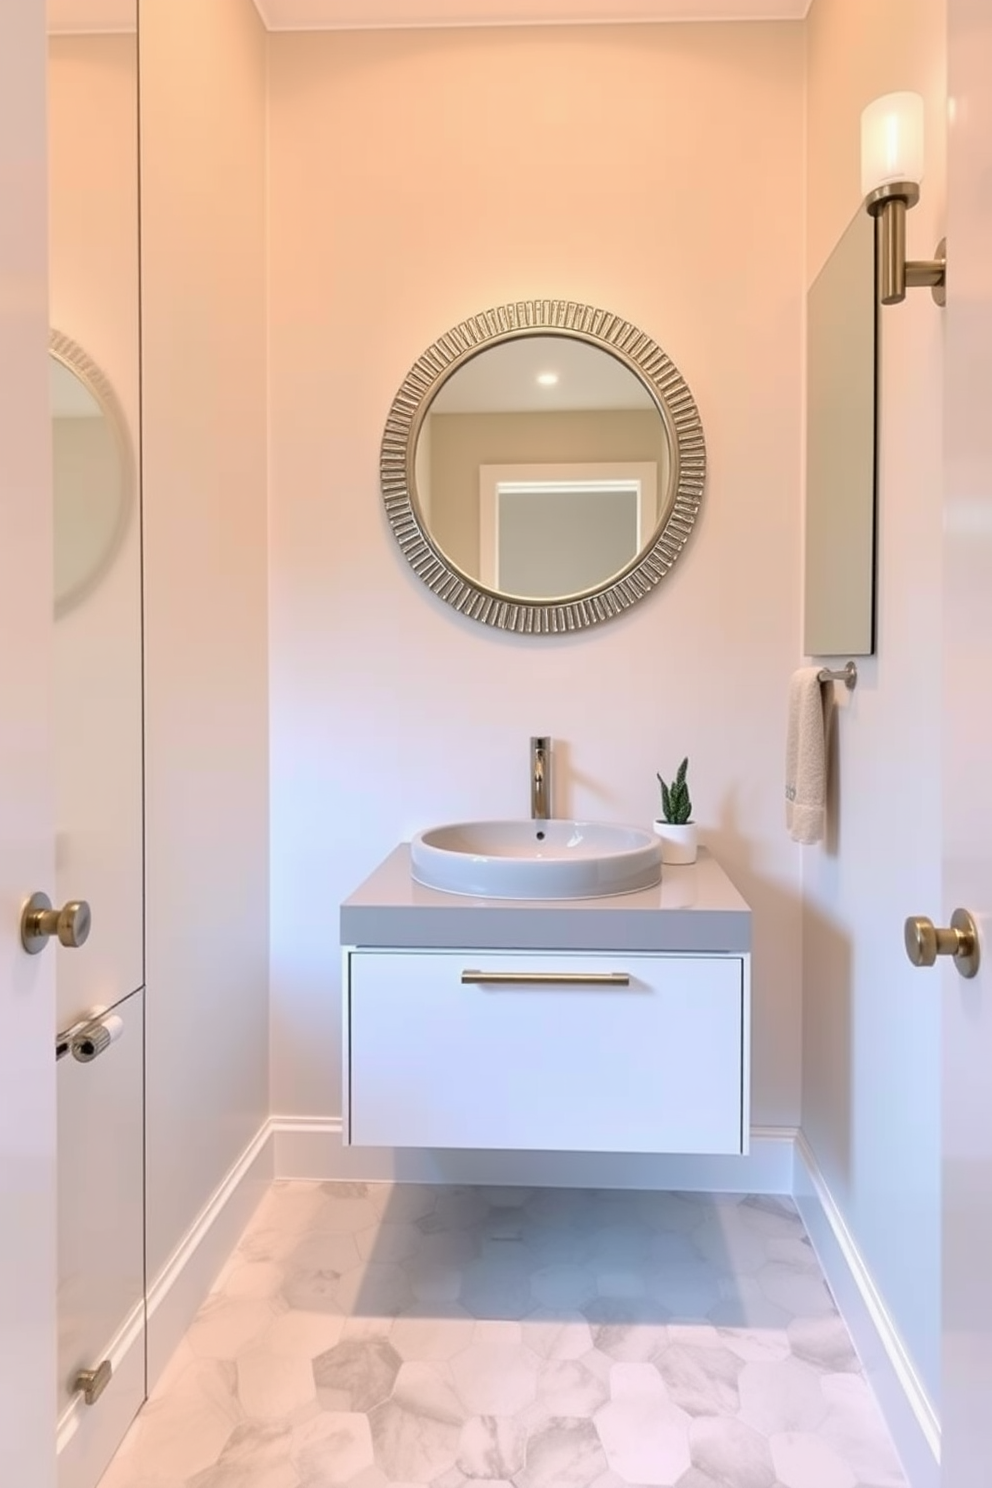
675	403
81	364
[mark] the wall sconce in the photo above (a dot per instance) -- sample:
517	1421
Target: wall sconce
891	171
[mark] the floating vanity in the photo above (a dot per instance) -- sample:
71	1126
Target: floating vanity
617	1024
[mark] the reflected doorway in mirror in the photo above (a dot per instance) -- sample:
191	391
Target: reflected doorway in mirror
547	530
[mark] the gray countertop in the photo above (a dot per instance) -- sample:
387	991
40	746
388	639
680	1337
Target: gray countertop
695	908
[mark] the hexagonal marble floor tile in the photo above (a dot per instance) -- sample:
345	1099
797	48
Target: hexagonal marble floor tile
630	1330
498	1289
432	1332
783	1396
731	1452
356	1375
703	1379
492	1448
801	1292
567	1387
497	1374
301	1335
564	1450
565	1285
557	1334
332	1447
272	1386
224	1328
185	1431
853	1427
805	1461
345	1208
644	1434
389	1335
412	1444
825	1343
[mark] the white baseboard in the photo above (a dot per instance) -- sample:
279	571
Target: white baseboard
311	1147
909	1413
187	1276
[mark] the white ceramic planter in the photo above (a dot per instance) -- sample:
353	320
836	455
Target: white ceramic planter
679	844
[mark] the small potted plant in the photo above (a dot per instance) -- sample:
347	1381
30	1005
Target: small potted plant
679	839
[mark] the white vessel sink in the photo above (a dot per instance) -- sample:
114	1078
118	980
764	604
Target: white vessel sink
536	859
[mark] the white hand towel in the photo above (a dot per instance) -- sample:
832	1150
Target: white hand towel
806	758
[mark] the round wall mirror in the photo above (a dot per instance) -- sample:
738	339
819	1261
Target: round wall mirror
542	466
92	472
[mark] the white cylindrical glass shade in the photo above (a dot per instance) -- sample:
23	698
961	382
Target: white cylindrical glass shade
891	141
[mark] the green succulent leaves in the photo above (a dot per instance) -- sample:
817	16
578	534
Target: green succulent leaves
675	800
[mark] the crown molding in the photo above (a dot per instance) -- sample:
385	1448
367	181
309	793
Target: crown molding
92	17
375	15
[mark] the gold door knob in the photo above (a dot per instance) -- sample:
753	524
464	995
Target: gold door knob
39	921
925	941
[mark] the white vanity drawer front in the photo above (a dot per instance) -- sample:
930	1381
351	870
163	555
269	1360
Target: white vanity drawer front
651	1063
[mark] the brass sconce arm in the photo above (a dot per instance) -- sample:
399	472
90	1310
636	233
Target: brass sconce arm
888	205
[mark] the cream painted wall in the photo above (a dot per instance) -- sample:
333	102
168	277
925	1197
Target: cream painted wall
416	178
204	428
871	1072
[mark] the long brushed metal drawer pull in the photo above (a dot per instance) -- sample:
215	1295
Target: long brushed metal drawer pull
547	978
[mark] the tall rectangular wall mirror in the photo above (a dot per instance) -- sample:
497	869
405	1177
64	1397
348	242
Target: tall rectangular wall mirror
841	451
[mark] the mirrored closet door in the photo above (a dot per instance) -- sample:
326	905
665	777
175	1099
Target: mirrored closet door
94	359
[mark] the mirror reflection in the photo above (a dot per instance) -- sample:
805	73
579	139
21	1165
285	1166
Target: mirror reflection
542	467
97	719
91	478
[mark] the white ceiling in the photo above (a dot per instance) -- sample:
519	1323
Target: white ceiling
352	15
503	379
78	17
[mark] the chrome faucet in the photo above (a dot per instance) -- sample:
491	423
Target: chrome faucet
540	778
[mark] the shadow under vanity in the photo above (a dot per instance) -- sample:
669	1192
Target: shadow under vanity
606	1024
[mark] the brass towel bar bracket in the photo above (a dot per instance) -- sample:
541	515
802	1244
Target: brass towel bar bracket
847	674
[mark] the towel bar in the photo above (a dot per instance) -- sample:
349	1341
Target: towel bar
848	675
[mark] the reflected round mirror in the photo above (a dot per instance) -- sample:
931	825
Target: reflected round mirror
542	466
93	486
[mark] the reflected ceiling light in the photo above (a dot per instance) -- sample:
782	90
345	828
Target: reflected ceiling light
891	172
547	379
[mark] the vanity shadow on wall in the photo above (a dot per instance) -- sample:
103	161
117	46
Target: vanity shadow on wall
841	449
